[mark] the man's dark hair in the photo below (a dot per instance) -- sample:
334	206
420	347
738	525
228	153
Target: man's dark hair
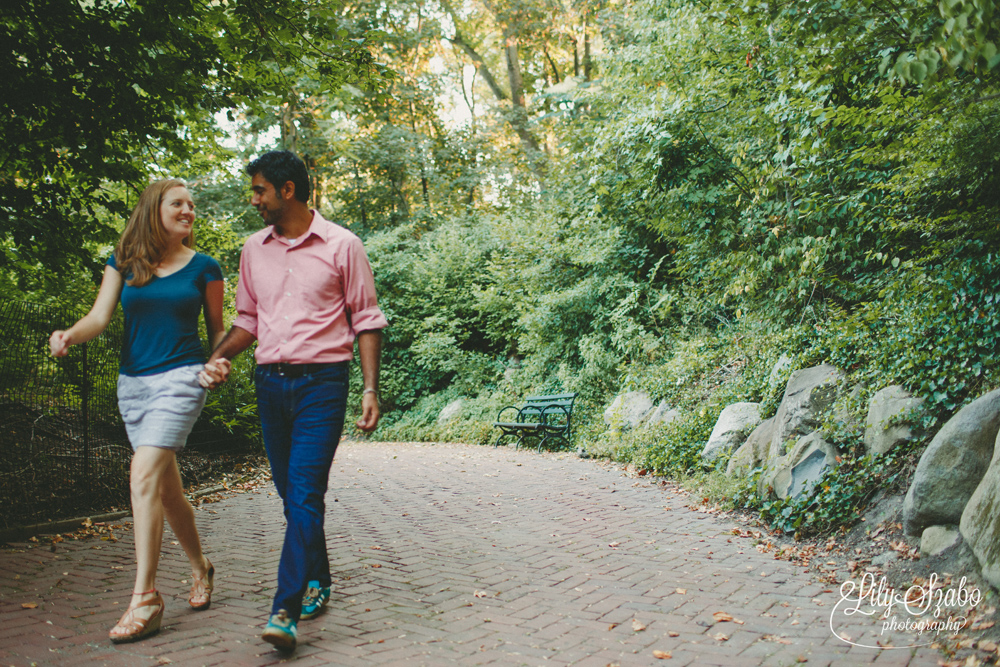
279	167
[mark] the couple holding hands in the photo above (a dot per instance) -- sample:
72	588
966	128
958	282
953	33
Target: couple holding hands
305	293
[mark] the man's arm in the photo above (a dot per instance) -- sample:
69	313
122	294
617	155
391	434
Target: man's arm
370	352
217	367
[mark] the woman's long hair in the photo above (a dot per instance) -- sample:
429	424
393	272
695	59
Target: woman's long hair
144	240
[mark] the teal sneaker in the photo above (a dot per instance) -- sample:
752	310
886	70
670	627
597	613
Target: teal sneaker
314	601
280	631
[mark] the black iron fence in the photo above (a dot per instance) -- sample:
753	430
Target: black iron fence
63	447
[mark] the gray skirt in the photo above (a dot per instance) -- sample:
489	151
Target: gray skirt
160	410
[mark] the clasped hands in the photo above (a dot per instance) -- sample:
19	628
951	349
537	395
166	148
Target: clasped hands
215	373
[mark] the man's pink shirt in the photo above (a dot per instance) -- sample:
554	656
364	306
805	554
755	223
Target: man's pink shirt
306	299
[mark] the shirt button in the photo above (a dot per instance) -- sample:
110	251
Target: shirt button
286	317
288	294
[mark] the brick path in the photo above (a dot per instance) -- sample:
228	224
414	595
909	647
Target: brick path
451	555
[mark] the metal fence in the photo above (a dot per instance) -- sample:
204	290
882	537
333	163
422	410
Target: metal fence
63	447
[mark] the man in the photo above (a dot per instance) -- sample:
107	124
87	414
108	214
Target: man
305	293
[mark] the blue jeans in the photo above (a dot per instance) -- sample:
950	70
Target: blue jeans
302	419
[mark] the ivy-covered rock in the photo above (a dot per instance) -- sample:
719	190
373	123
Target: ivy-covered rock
753	452
450	412
731	429
809	395
662	414
795	475
885	426
952	466
628	410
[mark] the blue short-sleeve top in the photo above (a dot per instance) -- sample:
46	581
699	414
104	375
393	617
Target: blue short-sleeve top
161	318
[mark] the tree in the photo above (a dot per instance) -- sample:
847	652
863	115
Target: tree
106	92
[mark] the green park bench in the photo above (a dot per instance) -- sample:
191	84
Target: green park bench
547	418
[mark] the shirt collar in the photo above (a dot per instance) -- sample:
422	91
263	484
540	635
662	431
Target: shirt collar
316	226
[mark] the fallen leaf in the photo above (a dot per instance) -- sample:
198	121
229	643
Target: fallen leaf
480	594
662	655
988	646
681	591
637	626
721	637
614	545
722	616
29	605
612	626
674	634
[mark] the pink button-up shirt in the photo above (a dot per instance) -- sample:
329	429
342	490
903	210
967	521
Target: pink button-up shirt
306	299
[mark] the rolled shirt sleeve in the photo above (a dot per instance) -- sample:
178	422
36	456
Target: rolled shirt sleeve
359	290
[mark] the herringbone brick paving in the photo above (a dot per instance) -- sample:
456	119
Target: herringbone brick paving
451	555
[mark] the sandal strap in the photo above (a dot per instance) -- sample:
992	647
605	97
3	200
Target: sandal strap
138	620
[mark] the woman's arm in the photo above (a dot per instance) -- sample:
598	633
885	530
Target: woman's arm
96	321
213	313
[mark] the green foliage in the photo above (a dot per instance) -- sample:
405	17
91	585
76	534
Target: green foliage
838	499
671	449
102	95
951	303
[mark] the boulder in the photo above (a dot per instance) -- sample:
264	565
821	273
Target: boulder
937	539
450	412
952	466
795	474
731	429
883	428
663	414
783	363
808	461
980	524
753	452
628	410
847	412
809	394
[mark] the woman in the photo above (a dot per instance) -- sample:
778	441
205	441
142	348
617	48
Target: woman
162	284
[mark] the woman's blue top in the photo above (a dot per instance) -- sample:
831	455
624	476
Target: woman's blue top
161	318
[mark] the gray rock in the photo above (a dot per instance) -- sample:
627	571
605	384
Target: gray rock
952	466
731	429
937	539
628	410
450	412
663	414
797	473
753	452
887	405
980	524
808	397
783	363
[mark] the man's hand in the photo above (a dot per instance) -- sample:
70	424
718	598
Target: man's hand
215	373
369	412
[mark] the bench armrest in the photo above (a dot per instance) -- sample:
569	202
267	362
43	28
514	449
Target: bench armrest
504	409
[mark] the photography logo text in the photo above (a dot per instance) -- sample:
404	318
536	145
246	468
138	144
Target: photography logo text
921	612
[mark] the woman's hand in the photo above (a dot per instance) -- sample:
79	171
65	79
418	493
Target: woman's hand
215	373
59	343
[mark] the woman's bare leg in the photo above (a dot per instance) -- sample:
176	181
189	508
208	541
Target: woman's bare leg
180	515
148	467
